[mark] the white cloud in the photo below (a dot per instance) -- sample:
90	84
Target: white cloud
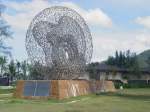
27	10
105	44
19	22
145	21
24	13
92	16
97	17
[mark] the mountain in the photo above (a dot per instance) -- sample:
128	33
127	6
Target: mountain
142	58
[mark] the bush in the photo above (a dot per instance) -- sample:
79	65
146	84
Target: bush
132	84
137	84
117	84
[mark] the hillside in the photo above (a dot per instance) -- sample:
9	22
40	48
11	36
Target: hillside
143	57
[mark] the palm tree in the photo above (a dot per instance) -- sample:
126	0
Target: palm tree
18	65
24	68
12	70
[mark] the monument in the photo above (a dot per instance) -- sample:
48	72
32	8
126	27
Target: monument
59	44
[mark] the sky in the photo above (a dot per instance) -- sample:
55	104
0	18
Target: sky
114	24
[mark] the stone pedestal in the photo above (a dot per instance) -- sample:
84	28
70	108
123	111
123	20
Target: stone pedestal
59	89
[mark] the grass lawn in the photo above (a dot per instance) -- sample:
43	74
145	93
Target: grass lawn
128	100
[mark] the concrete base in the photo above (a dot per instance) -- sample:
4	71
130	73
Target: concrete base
61	89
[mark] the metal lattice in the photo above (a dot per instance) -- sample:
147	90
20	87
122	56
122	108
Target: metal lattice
59	43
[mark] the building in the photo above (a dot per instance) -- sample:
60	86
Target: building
107	72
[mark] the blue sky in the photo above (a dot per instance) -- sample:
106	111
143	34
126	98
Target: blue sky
114	24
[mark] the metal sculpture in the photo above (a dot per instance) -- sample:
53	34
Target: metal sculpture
59	43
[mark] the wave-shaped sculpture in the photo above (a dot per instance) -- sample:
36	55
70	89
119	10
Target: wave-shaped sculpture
59	43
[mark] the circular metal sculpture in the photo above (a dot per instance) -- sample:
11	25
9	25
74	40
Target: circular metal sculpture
59	43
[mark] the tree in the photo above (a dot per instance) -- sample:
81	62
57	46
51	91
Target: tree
126	60
5	33
128	55
34	74
120	61
12	69
2	65
123	60
148	62
92	69
111	61
18	68
24	68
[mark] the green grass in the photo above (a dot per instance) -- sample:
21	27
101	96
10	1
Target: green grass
6	91
128	100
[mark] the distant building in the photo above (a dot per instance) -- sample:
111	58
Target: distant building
4	81
107	72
